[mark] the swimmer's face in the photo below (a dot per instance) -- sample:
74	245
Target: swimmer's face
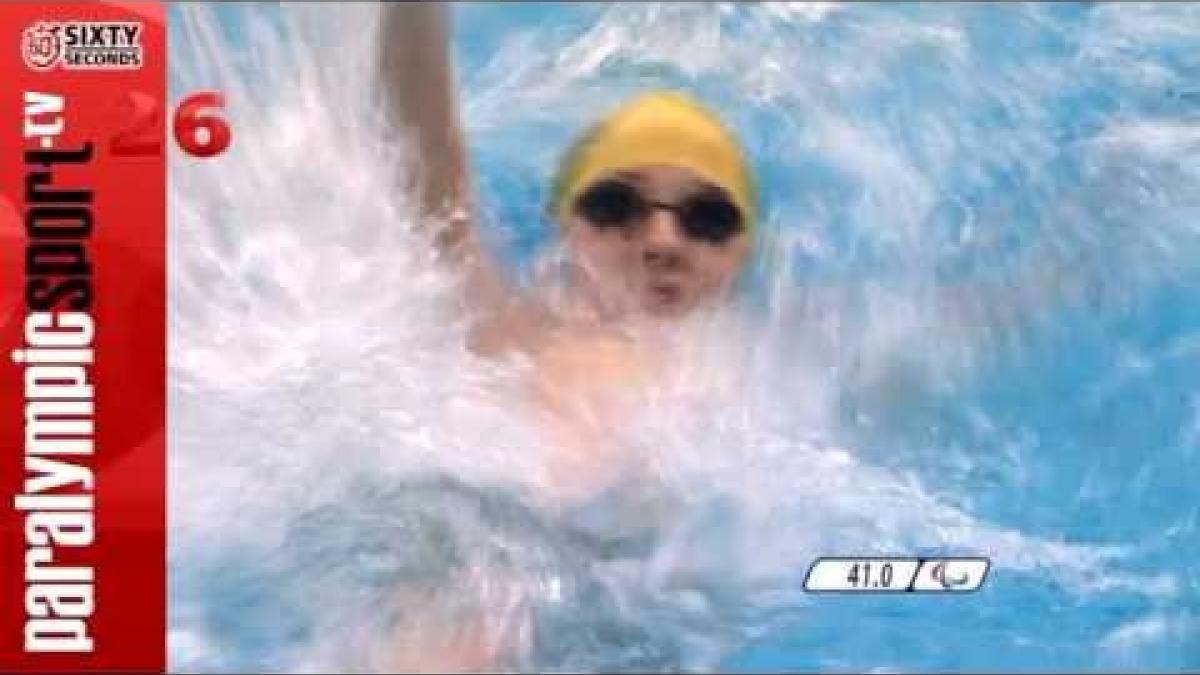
659	239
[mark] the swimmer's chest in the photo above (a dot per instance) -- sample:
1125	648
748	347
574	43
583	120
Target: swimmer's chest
597	369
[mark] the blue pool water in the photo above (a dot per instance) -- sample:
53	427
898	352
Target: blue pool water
982	236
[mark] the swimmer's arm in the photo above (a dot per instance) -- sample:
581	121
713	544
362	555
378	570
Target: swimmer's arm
420	97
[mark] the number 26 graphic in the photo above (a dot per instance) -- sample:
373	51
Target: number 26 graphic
199	130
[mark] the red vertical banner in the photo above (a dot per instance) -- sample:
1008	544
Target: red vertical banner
82	337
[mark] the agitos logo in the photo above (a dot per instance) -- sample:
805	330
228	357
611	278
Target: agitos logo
80	45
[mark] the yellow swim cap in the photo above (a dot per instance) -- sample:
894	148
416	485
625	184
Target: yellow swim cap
659	127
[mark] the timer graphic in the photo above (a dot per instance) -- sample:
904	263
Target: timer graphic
896	575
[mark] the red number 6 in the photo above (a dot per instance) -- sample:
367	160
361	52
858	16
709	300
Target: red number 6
198	131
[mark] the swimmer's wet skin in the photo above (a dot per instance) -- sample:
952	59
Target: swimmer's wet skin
656	206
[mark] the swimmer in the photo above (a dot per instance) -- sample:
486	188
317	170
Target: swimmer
655	205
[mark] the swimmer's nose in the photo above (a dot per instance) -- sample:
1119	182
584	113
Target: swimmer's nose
662	244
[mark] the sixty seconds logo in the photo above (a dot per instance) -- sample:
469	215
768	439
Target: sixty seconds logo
82	45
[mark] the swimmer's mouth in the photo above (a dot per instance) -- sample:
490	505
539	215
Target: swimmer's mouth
662	294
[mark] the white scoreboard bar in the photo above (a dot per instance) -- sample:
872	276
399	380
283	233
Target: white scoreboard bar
896	575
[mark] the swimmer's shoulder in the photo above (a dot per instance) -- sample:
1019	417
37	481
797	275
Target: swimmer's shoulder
519	324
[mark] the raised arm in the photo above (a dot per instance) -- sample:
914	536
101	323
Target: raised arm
419	93
418	80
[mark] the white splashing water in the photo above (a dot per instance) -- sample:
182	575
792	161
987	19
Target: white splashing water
345	475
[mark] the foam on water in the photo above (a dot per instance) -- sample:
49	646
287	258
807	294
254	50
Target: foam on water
345	475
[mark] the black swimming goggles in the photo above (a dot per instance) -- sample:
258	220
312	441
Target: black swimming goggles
709	215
